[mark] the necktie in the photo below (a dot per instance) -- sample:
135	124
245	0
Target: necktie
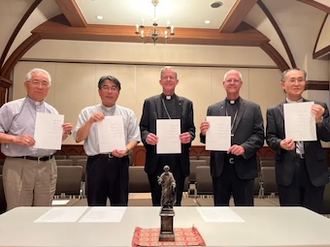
300	147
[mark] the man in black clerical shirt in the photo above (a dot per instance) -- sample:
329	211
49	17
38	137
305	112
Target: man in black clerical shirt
167	105
234	171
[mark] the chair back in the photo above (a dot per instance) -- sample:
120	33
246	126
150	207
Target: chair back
193	165
138	180
68	180
204	184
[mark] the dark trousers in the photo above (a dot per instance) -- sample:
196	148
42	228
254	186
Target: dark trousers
229	183
301	192
107	178
156	190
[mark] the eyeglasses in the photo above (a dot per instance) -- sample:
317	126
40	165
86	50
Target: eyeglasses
169	78
37	83
299	80
106	88
233	81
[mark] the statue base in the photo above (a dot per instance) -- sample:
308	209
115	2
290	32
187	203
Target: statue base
166	225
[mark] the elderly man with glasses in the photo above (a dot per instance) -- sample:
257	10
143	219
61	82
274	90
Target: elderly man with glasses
233	171
107	173
29	174
301	166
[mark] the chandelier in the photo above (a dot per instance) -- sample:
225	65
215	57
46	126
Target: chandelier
154	33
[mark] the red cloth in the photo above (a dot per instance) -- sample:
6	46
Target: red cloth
183	237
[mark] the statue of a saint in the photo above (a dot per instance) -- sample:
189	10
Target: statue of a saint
167	181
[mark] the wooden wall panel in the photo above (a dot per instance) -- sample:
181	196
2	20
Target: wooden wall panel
2	95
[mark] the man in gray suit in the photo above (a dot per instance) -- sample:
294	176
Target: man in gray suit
301	167
233	172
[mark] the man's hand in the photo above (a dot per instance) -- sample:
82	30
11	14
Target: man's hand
185	137
25	140
236	150
204	127
119	153
152	139
288	144
96	117
317	111
67	128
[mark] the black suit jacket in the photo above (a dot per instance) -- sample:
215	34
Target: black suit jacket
315	157
248	132
152	109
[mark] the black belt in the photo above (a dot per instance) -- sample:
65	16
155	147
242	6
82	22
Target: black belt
230	159
44	158
108	155
300	156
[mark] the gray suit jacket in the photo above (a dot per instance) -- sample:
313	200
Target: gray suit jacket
248	132
315	157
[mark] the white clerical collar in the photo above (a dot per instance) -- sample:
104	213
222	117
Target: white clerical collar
108	109
298	101
167	97
33	102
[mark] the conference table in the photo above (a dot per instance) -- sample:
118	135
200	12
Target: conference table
261	226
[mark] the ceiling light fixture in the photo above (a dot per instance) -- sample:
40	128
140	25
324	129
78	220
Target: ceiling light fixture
207	21
154	33
216	4
99	17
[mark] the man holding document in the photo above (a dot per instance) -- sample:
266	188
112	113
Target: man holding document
294	131
234	132
110	132
167	130
29	172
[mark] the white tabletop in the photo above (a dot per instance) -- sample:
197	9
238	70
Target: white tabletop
263	226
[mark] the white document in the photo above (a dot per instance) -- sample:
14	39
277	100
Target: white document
61	214
299	121
60	202
168	132
48	131
219	214
111	134
104	214
218	136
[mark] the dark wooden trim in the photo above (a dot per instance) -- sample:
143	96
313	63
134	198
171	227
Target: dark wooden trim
317	85
275	55
72	12
3	92
58	28
17	54
17	29
325	50
6	83
317	5
236	15
278	31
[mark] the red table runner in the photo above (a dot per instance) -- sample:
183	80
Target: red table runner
183	237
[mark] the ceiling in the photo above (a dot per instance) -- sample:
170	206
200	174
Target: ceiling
180	13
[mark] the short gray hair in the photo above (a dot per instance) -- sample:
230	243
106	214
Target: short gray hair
168	68
283	76
233	71
38	70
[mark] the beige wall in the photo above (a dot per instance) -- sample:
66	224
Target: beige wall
74	86
137	53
